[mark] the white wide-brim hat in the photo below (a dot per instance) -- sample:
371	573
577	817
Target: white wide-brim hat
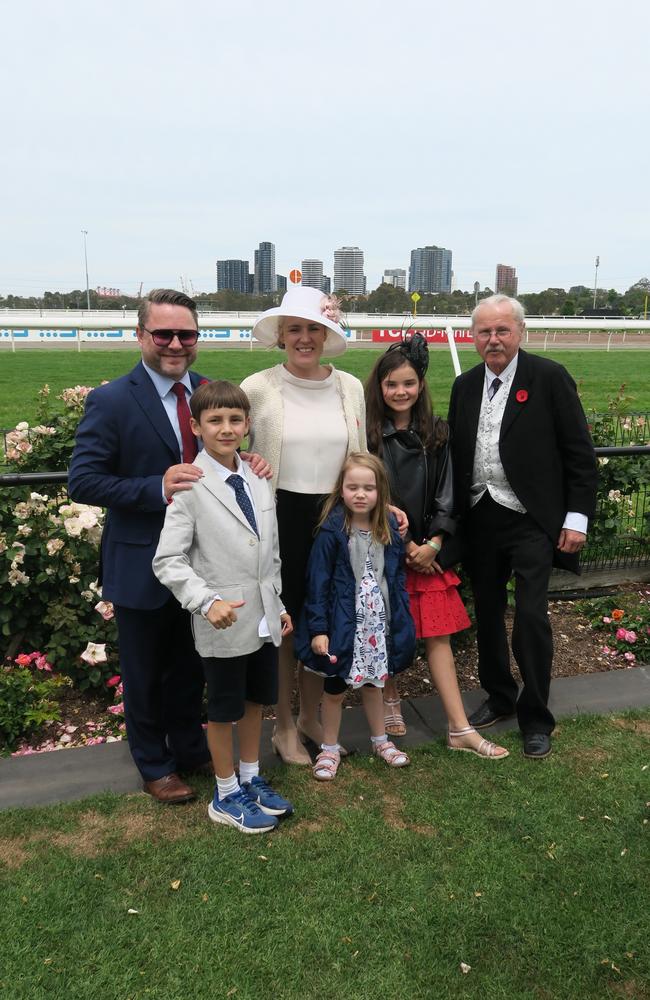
303	303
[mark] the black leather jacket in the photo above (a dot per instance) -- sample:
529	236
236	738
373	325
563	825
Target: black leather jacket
421	483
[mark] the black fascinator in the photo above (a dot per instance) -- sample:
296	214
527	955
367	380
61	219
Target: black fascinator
415	350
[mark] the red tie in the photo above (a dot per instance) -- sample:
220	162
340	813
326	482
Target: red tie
190	445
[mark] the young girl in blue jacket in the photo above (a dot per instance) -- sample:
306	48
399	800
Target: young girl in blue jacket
356	628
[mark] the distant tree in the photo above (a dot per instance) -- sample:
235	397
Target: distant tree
388	299
569	308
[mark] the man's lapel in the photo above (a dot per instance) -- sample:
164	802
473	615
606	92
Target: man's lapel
215	485
521	386
144	393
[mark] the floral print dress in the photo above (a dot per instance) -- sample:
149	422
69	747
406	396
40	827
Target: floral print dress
369	657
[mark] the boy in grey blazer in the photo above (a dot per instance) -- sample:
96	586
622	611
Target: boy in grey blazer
218	554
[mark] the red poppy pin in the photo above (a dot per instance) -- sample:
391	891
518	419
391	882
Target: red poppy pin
521	396
204	381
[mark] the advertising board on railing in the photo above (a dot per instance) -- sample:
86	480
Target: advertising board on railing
433	336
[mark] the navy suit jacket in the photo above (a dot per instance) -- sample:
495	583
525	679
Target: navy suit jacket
544	444
124	445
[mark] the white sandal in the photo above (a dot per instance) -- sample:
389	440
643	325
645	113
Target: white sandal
485	749
326	765
390	754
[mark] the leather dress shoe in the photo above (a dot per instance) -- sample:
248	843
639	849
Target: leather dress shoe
169	790
485	716
537	745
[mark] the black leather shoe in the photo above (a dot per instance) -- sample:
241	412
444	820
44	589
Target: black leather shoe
484	716
537	745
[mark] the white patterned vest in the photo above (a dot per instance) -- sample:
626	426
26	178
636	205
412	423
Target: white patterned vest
488	473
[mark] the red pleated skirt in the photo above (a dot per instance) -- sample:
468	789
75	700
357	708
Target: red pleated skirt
435	603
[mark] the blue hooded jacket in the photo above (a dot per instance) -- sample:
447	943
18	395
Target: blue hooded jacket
330	602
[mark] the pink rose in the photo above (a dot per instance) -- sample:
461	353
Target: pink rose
41	664
105	609
607	621
23	659
113	681
630	657
620	634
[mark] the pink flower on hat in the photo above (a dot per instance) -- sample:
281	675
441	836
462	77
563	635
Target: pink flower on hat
330	309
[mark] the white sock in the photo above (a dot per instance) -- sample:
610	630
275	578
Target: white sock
377	740
331	748
248	770
227	786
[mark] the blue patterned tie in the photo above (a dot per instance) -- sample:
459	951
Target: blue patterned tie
243	500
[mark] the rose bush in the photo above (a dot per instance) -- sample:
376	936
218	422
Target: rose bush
625	629
28	688
49	553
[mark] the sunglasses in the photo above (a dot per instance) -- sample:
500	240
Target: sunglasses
163	338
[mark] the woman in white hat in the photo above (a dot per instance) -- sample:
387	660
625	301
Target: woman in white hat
306	417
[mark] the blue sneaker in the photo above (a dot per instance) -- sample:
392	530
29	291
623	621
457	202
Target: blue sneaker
268	800
240	811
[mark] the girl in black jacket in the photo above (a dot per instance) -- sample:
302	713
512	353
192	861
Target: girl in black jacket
414	447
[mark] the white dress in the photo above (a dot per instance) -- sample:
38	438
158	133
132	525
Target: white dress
369	656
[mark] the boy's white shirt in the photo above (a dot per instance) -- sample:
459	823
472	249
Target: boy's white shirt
224	556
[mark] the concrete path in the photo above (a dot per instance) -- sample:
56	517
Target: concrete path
66	775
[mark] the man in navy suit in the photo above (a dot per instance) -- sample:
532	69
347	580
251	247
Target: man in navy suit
133	452
525	484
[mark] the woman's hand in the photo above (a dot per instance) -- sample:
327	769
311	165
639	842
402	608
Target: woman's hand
258	465
402	520
287	624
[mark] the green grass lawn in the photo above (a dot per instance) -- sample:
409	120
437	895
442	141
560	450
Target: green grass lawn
598	373
384	882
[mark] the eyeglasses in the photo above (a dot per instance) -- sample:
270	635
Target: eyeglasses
163	338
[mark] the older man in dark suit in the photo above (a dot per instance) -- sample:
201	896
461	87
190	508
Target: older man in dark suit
525	475
134	450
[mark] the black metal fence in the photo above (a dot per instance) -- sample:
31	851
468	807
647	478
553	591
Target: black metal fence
619	537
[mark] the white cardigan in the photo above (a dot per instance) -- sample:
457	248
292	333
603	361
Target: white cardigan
264	390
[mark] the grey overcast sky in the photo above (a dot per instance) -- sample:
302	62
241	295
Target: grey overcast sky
179	133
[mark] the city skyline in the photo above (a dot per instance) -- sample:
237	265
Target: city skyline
163	175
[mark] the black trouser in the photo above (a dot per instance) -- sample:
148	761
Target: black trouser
501	542
163	689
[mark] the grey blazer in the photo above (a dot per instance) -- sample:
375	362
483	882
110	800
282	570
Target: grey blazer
207	546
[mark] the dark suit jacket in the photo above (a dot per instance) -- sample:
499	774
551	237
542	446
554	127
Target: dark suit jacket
545	446
124	445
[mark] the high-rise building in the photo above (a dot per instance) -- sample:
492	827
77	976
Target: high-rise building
348	271
430	270
313	277
312	273
395	276
265	280
232	275
506	281
281	283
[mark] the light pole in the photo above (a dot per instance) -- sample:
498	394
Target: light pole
596	280
85	234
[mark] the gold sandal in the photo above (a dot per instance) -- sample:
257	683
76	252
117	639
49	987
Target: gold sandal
393	719
485	748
